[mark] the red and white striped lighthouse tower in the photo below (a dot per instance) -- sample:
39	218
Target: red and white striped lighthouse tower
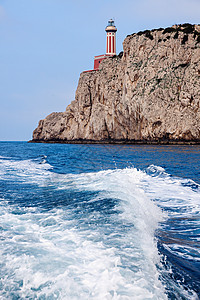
110	44
111	38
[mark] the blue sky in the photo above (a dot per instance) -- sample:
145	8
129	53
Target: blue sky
46	44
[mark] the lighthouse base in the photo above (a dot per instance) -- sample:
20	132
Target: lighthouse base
98	59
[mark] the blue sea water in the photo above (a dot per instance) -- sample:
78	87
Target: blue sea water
99	221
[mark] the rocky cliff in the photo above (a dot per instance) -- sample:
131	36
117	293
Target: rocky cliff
149	93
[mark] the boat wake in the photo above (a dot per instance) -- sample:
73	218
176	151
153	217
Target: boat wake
114	234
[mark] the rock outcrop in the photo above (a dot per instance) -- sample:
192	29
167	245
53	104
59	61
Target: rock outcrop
150	93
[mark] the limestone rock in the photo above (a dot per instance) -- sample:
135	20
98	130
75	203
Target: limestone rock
151	93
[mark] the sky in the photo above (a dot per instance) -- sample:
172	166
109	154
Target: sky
46	44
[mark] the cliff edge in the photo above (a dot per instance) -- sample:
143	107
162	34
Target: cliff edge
149	93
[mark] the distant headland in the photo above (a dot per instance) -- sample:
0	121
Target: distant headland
149	93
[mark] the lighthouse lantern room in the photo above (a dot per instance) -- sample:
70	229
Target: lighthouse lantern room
110	44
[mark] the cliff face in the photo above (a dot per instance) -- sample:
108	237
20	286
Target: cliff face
150	93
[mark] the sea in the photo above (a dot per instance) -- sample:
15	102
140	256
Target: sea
99	222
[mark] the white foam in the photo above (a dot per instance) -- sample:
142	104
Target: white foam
54	255
25	171
58	260
171	192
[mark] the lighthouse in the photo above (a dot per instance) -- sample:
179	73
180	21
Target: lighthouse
111	38
110	44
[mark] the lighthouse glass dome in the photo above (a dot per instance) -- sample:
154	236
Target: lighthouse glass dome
111	23
111	26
